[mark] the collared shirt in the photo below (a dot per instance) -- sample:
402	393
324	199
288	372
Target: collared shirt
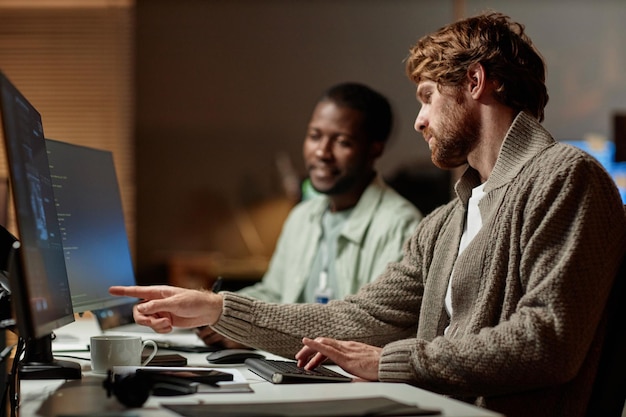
371	237
322	283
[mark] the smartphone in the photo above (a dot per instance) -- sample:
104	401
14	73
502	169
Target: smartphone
166	359
209	376
188	348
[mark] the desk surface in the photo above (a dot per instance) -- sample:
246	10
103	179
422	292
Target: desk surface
88	397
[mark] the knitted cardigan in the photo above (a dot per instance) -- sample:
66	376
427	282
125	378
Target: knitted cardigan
528	293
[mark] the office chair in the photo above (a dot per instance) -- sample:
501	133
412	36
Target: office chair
609	388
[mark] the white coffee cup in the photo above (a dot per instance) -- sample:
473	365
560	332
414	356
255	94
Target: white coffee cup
108	351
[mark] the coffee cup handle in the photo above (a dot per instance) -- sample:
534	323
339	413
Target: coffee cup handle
154	347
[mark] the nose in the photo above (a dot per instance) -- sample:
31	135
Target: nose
323	149
420	121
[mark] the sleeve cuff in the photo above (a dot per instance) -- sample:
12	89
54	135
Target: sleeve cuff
395	362
237	315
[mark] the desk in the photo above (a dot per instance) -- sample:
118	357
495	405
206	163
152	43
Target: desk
52	398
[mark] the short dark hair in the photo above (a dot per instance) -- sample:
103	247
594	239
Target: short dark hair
497	43
376	110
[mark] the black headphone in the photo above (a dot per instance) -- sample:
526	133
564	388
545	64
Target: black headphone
133	390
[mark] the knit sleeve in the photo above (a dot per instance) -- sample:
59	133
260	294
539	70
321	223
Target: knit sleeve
380	312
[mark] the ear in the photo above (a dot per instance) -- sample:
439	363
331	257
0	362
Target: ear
376	149
476	80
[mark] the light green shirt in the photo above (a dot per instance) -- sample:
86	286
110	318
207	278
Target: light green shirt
372	236
318	290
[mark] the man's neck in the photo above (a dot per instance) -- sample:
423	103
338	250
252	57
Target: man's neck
350	199
495	125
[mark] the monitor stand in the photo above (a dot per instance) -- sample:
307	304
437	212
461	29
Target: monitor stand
39	363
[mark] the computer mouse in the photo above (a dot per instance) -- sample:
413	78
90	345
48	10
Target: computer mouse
232	356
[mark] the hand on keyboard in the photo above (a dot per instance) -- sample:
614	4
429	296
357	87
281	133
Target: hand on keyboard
288	372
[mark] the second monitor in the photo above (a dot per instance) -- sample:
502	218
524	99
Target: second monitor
91	221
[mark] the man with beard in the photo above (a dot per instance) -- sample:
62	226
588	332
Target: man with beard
333	244
500	296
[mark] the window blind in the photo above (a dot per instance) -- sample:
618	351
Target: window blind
73	60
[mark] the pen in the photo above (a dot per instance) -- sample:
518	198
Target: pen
217	285
5	353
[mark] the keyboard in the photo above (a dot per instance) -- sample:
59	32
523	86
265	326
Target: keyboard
288	372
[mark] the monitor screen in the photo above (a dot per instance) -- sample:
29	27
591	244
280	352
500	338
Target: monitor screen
38	277
604	152
91	221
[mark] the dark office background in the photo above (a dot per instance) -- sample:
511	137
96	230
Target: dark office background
226	88
218	92
223	87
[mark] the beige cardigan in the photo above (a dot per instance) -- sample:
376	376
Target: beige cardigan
528	291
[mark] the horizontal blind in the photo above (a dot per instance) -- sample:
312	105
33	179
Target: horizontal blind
75	66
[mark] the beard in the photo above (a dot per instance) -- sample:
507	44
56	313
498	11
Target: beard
454	137
345	181
343	185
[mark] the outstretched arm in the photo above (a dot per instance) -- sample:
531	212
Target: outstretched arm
163	307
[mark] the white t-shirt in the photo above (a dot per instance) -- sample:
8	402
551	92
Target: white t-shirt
473	223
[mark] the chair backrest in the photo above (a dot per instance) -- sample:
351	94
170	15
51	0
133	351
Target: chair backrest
609	388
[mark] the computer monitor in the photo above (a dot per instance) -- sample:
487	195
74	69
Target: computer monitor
604	152
40	291
91	221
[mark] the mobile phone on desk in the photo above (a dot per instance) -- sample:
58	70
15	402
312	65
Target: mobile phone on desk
187	348
209	376
166	359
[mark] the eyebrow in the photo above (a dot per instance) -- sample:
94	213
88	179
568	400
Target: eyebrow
419	94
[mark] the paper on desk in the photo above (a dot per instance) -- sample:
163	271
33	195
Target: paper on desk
69	347
344	407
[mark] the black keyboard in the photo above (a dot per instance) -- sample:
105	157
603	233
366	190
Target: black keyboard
287	372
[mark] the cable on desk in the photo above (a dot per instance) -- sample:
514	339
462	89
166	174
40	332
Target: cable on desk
11	383
4	355
82	358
